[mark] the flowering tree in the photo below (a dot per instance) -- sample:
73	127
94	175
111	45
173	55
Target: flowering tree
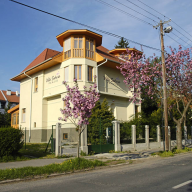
78	106
141	72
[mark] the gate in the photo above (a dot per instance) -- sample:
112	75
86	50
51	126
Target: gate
100	137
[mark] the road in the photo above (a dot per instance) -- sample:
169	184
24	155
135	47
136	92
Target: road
155	174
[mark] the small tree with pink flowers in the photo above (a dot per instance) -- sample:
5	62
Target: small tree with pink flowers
142	72
78	106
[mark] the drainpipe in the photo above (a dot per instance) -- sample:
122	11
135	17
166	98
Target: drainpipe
30	105
98	73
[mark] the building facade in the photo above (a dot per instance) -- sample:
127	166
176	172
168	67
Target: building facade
41	88
7	97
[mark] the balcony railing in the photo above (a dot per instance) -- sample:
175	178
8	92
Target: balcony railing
77	52
67	54
89	54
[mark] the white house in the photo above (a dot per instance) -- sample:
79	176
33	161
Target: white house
41	88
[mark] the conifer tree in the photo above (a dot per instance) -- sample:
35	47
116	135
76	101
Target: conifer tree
101	113
122	43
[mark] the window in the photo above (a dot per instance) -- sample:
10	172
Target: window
2	105
66	74
65	136
90	73
78	42
67	48
34	124
23	114
78	72
36	84
17	118
89	48
14	119
78	47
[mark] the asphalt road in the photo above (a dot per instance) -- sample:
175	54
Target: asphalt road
156	174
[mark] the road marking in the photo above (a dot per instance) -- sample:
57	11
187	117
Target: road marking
182	184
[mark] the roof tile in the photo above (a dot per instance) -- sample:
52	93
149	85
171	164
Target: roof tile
13	98
46	54
105	53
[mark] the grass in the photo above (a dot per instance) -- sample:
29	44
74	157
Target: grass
66	166
36	150
33	150
172	152
13	158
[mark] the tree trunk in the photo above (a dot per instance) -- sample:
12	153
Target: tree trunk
179	136
79	135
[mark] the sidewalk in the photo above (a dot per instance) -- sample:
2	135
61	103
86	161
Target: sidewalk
103	157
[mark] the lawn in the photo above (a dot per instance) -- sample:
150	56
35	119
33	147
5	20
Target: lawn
33	150
36	150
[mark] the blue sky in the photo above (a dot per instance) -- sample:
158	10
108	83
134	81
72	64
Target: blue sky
25	33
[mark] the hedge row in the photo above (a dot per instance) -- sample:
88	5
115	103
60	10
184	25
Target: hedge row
10	141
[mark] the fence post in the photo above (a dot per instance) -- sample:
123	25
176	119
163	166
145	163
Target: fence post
185	134
58	140
84	146
169	135
133	132
159	135
117	135
147	136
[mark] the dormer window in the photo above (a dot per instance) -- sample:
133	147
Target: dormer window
67	48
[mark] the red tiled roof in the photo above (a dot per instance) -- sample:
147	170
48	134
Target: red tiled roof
105	53
46	54
13	98
2	97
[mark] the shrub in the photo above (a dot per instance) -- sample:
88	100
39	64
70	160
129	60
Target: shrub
10	141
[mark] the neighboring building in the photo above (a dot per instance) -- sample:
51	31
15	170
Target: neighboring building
82	57
8	97
14	116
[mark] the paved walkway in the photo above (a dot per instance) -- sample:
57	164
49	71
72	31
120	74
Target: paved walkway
103	157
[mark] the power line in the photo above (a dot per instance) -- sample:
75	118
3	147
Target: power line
109	5
96	29
175	40
135	11
143	9
134	16
165	17
180	38
182	34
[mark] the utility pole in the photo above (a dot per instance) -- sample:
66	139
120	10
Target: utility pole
164	84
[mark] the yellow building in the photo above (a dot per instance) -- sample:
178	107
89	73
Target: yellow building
41	88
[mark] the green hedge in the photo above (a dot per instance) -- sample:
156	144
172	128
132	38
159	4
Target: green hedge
10	141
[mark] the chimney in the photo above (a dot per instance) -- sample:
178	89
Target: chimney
17	93
8	92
